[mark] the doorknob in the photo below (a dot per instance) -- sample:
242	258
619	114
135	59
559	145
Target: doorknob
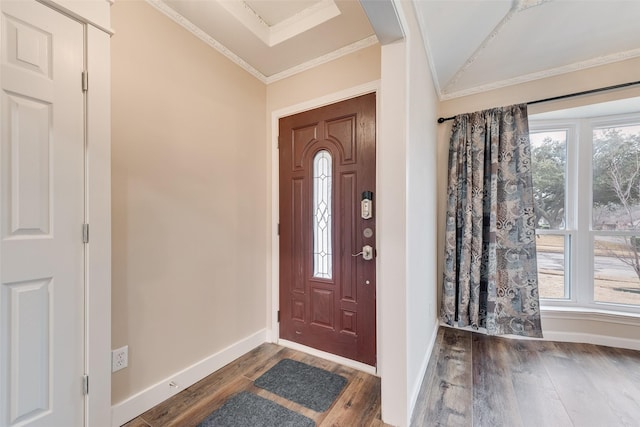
367	253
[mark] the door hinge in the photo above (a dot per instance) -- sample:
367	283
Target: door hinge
85	81
85	384
278	316
278	229
278	146
85	233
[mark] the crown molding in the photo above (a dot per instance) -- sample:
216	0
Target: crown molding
449	92
196	31
577	66
353	47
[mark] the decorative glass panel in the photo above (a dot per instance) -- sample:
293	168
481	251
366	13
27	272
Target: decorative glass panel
322	265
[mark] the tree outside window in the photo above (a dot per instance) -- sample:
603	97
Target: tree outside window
613	223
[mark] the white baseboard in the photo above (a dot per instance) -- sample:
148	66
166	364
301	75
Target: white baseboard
601	327
159	392
328	356
581	326
413	398
580	337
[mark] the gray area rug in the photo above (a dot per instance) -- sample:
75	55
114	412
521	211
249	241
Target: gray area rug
307	385
248	410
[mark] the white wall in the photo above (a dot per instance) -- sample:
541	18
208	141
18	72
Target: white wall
407	219
422	193
392	235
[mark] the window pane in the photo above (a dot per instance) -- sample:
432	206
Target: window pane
616	269
322	265
616	178
549	163
551	266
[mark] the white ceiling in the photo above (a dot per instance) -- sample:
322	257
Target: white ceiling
481	45
473	45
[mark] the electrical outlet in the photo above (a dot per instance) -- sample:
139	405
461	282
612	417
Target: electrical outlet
119	358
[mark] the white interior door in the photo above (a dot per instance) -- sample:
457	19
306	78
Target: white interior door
42	212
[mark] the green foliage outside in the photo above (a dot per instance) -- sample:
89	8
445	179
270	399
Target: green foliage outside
616	180
616	187
548	161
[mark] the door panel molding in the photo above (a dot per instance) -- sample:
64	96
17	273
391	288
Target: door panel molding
42	159
97	174
273	258
346	131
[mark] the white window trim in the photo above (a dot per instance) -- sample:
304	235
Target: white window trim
579	228
570	231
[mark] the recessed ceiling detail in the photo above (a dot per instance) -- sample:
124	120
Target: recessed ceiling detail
273	12
473	46
287	20
273	39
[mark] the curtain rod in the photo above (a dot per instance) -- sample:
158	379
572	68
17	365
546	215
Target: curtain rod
571	95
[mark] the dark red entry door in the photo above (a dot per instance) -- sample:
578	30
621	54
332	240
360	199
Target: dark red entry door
327	234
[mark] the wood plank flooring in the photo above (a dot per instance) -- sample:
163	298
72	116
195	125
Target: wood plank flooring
357	405
476	380
471	380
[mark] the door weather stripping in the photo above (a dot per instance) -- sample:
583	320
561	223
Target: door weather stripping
85	233
85	81
85	384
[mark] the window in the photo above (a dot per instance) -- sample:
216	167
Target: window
586	177
553	225
615	218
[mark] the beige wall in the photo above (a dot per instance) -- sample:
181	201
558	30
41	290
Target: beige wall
343	73
188	199
591	78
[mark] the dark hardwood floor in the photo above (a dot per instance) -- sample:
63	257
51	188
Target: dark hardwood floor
471	380
357	405
477	380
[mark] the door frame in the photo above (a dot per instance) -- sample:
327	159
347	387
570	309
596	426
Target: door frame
273	282
98	215
97	199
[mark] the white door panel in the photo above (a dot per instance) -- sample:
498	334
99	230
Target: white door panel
41	217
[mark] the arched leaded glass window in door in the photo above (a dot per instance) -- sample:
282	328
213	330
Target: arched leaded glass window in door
322	251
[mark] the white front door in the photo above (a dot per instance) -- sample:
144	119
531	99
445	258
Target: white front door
41	216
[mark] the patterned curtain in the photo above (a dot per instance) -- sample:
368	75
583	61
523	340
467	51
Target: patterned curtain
490	277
